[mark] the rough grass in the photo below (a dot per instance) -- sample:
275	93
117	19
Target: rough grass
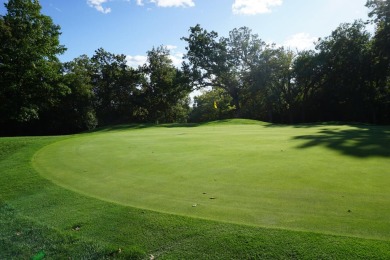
39	219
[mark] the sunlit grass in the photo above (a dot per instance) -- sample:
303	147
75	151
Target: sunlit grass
316	178
38	218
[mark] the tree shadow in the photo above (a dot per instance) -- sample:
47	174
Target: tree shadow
177	125
140	126
317	124
361	141
118	128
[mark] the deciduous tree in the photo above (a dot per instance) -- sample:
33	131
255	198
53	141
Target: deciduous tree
380	16
166	88
225	63
29	68
114	86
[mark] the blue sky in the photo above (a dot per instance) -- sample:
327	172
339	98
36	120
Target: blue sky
132	27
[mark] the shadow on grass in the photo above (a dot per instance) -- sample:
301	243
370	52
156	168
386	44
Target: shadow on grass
317	124
140	126
361	142
177	125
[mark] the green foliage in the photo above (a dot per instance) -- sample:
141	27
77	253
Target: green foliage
223	63
380	15
114	87
165	89
212	105
346	69
29	69
345	79
258	77
271	94
76	109
307	75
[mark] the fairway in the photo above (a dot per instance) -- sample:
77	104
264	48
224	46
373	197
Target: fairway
323	178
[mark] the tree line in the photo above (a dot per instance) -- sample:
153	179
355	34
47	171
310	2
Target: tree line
346	78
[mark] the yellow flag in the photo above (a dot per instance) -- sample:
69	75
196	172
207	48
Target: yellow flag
215	104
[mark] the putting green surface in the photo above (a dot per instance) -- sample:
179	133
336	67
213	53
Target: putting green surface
324	178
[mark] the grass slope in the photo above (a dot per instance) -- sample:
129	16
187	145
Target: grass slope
39	219
238	171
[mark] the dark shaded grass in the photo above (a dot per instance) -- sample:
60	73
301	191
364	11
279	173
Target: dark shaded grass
368	140
361	142
126	127
39	219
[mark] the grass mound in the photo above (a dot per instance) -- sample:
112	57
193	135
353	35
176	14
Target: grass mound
237	121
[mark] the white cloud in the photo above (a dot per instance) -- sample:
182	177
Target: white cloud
252	7
174	3
175	56
170	47
300	41
139	60
177	59
135	61
97	4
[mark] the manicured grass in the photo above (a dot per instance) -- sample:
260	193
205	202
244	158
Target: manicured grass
326	178
40	219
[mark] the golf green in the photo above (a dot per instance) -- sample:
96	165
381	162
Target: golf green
324	178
